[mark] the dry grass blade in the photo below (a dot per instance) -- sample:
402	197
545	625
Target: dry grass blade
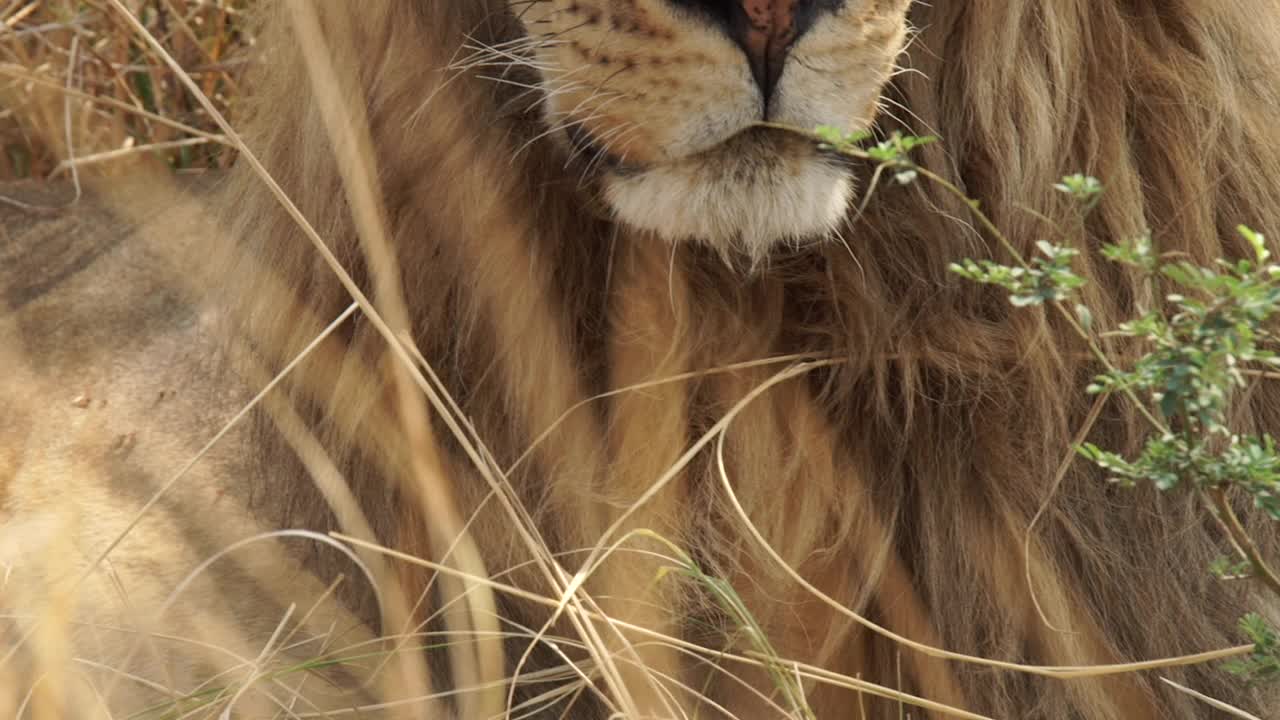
74	163
1081	435
1062	672
342	109
1218	704
807	672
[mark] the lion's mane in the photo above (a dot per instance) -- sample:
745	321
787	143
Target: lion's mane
900	480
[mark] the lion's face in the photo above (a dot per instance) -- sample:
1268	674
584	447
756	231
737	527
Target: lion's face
661	98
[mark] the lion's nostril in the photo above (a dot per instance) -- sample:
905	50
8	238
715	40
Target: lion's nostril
765	29
766	36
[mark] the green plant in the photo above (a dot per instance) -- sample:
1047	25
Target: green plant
1264	663
1209	338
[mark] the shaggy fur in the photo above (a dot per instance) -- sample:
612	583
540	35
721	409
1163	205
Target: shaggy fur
902	479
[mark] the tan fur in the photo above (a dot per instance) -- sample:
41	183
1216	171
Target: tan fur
902	478
113	382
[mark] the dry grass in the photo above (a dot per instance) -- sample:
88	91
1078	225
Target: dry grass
81	86
72	65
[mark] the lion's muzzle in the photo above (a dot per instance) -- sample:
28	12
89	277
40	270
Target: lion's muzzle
766	30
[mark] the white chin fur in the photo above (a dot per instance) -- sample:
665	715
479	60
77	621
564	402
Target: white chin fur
747	204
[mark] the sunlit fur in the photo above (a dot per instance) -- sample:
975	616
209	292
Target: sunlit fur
901	481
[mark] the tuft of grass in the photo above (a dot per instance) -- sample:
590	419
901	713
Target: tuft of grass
77	88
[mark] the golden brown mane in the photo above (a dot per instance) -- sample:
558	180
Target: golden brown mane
901	478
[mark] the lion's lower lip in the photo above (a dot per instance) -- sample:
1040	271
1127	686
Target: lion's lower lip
599	157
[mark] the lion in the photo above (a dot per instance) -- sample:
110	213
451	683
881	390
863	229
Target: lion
677	348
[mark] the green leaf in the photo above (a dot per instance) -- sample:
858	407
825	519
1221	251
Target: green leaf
829	134
1263	664
1085	189
1257	241
1085	317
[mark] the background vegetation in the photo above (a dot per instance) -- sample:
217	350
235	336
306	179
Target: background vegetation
72	65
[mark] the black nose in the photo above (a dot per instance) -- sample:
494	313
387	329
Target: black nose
764	29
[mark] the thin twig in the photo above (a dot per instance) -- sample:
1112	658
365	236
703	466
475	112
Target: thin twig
1081	435
1240	538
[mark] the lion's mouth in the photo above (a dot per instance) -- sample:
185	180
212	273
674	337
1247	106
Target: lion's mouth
761	144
